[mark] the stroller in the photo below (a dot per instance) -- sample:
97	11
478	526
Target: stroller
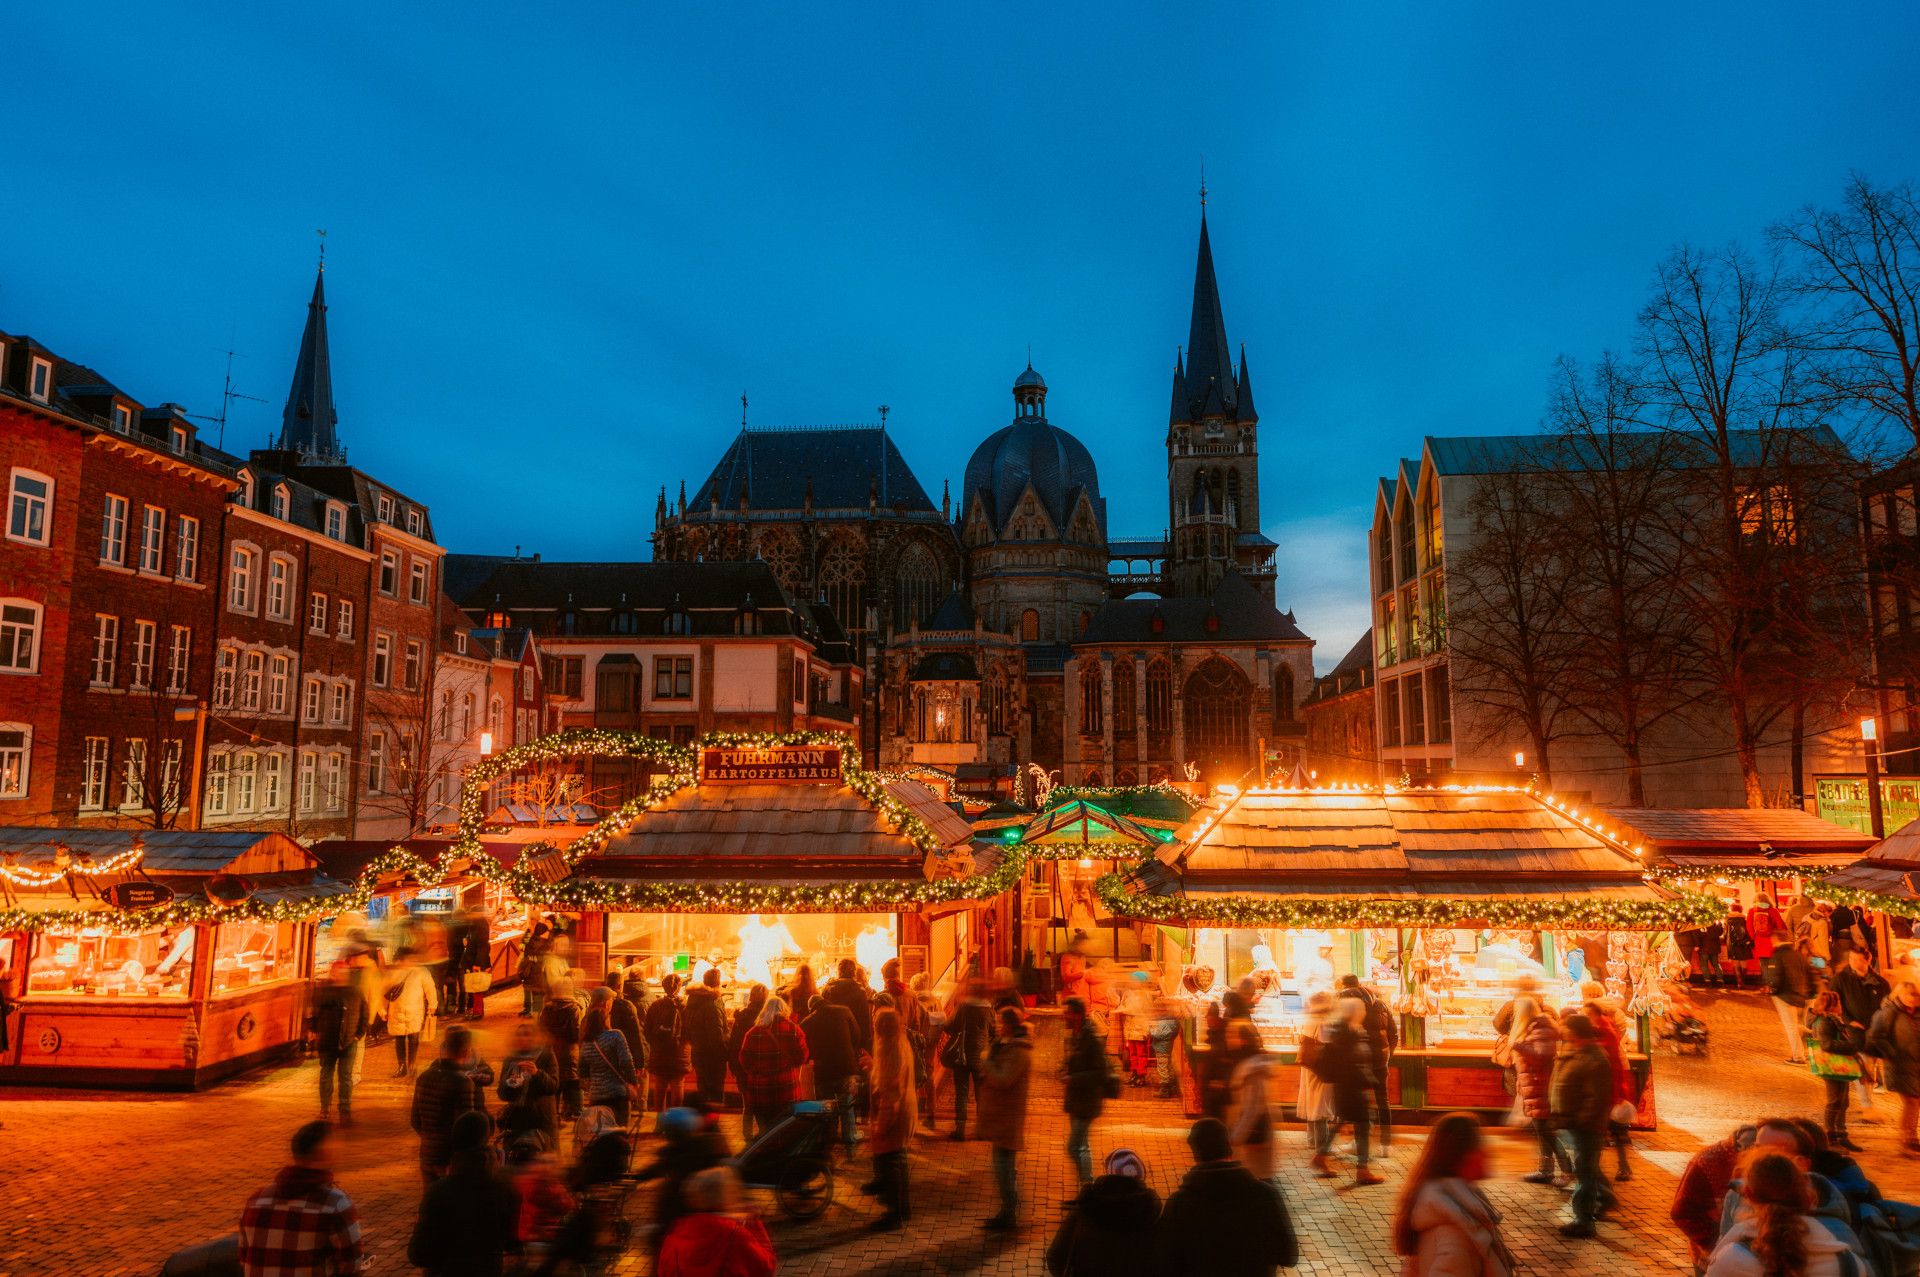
794	1158
1681	1027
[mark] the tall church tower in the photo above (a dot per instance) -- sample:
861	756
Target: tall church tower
1213	454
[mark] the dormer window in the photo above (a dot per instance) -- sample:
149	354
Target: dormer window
282	501
122	418
678	622
336	521
179	439
40	381
413	520
747	619
460	643
386	508
498	621
246	488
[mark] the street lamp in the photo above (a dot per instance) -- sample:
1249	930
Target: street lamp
1869	739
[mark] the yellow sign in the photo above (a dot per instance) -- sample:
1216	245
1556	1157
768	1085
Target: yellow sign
780	765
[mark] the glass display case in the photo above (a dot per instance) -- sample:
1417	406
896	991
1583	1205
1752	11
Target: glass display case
154	963
763	948
247	954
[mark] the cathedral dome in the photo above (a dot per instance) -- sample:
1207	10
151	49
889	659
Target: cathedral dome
1032	451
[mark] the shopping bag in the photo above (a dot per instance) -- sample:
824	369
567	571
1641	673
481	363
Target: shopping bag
477	981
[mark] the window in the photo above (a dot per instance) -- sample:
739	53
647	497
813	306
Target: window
93	774
335	772
413	521
179	654
280	588
466	716
186	548
1092	702
217	771
1283	707
281	501
279	675
389	572
1160	698
342	702
153	538
1124	715
746	621
496	720
317	613
16	752
106	648
446	714
526	682
410	670
918	586
382	659
145	641
122	418
460	642
1029	626
336	523
377	763
272	773
246	772
311	695
252	668
346	619
1767	513
41	384
243	570
563	676
29	509
1217	703
245	494
133	774
417	582
178	438
113	530
19	636
308	766
223	667
679	622
672	678
386	508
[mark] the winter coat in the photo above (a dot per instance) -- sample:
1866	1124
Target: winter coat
338	1016
1313	1100
972	1026
1086	1072
893	1111
441	1094
1582	1089
528	1092
1894	1036
622	1016
1004	1083
852	995
665	1057
1734	1256
1789	977
707	1245
1349	1058
1109	1231
1861	996
770	1060
1252	1109
1815	932
467	1222
1602	1016
743	1021
1739	939
1459	1233
1832	1216
606	1068
1768	926
1703	1187
1223	1222
830	1041
1533	1056
414	997
703	1024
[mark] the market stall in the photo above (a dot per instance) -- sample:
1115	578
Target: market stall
778	856
1441	899
156	958
428	884
1881	891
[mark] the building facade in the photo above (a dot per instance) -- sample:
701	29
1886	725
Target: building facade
1343	745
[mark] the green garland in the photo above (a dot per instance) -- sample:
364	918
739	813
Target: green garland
1879	902
1767	871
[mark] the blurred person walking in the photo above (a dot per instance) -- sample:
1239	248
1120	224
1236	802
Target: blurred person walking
1582	1095
338	1021
444	1091
1252	1129
893	1117
969	1036
1894	1037
1535	1040
1222	1221
469	1218
412	997
1090	1081
1443	1224
1005	1080
715	1237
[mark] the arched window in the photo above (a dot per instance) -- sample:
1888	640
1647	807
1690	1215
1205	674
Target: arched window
1160	698
1092	703
918	586
1029	626
1093	780
843	582
920	716
1283	707
1125	704
996	693
1216	704
1233	497
1125	777
781	550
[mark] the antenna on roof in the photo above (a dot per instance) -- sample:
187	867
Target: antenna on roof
323	250
227	395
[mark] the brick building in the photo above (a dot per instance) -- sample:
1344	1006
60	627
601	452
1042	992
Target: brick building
1342	745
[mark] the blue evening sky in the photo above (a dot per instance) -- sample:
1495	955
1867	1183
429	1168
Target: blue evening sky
564	238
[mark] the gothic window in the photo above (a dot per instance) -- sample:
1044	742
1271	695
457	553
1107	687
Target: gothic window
781	550
1283	711
1125	777
1217	704
1092	703
996	693
1093	780
918	586
1160	698
1124	706
1233	498
843	581
1029	626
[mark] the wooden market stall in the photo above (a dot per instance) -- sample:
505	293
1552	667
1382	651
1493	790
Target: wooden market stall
1440	899
165	959
783	855
1881	892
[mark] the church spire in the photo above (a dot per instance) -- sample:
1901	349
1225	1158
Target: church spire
1209	360
309	426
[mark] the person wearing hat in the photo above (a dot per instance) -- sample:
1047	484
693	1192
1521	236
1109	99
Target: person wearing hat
470	1216
1108	1232
1222	1220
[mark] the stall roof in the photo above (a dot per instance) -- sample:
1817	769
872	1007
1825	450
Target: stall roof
348	859
1150	804
1080	822
775	821
1887	869
167	851
551	814
1709	837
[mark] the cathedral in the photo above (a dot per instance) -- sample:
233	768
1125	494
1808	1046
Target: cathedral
1015	628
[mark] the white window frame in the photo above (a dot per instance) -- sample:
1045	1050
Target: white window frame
342	708
273	773
280	587
308	774
279	679
313	697
243	579
226	665
318	610
106	650
22	771
336	777
40	380
413	665
153	539
179	658
246	777
140	658
94	765
382	659
388	580
414	520
246	487
219	766
281	502
419	575
377	762
113	530
385	506
133	773
186	548
11	628
253	674
345	630
27	507
122	419
336	521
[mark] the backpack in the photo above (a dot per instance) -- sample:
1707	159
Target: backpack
1890	1234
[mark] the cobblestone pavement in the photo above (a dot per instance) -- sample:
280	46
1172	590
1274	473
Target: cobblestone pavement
110	1183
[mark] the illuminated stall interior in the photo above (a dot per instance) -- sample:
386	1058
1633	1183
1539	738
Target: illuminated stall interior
1070	846
399	901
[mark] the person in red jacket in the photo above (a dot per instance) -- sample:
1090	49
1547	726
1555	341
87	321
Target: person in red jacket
1607	1019
717	1238
1768	926
1702	1192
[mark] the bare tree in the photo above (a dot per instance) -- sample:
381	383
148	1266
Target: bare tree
418	763
1509	651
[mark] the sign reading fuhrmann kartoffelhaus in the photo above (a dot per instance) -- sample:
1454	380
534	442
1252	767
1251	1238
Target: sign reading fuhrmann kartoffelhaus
779	765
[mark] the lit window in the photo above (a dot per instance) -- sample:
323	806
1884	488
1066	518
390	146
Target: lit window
279	676
179	653
317	613
30	506
16	752
186	548
106	648
19	636
145	641
346	619
113	530
243	571
153	538
93	775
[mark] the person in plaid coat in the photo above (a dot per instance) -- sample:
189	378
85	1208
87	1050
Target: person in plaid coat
303	1224
770	1058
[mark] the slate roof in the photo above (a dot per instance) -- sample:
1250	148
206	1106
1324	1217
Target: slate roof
1244	615
309	426
182	851
711	593
842	462
1891	868
938	667
954	613
1358	657
1033	451
1506	454
1704	836
1210	387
